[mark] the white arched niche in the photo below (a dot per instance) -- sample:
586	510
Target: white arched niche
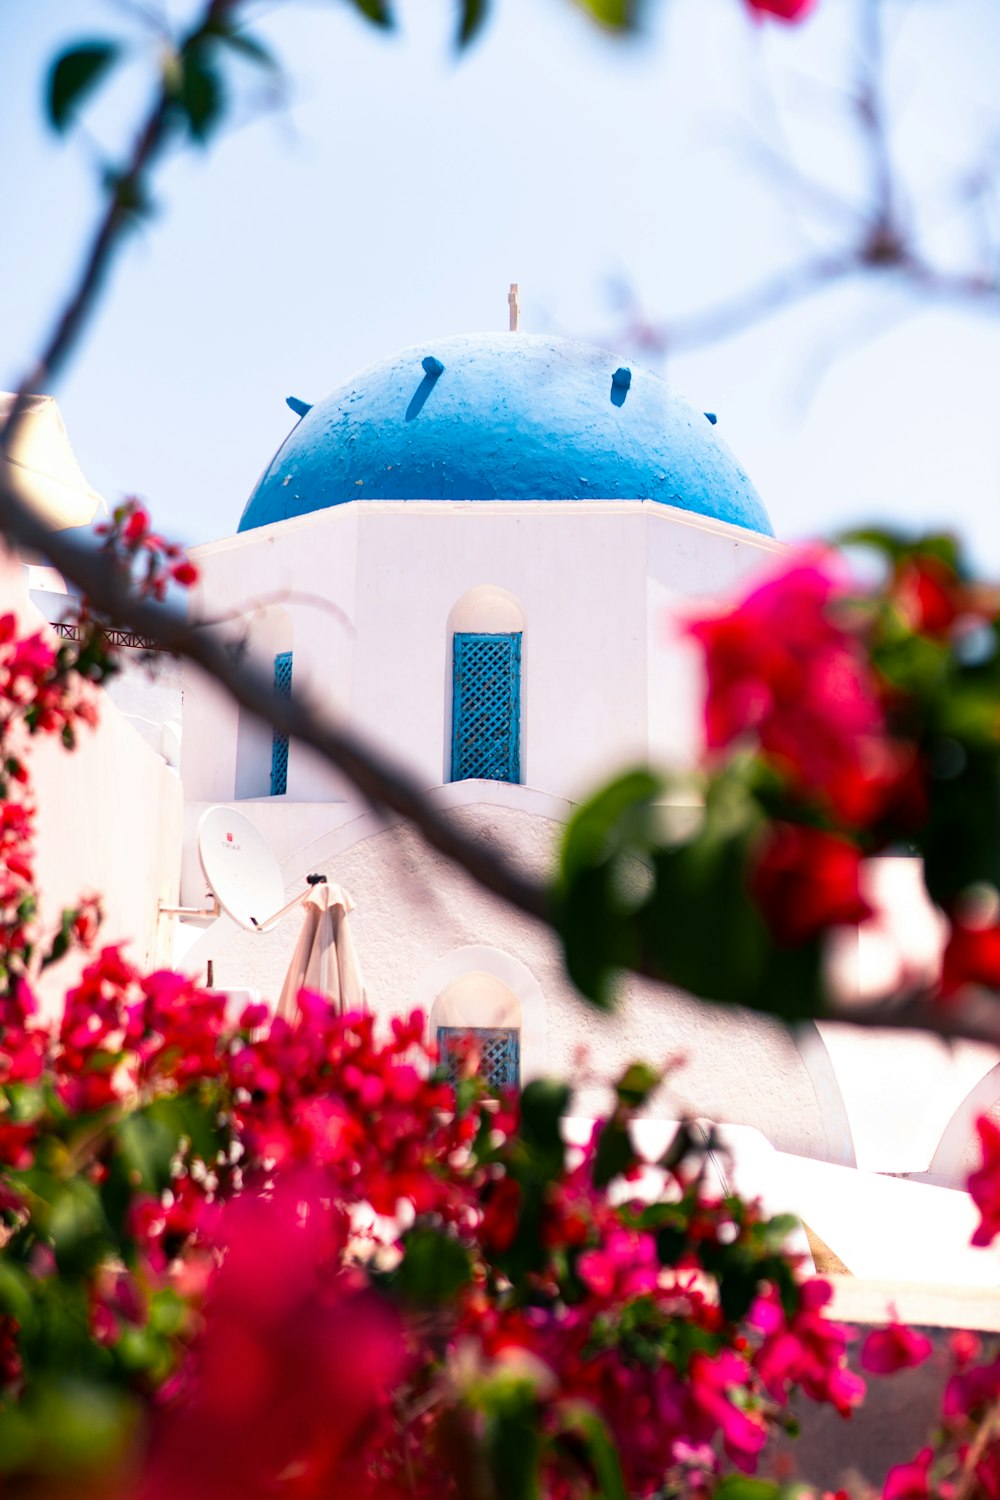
958	1151
486	609
269	633
476	986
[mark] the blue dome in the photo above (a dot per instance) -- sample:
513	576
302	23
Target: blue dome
509	416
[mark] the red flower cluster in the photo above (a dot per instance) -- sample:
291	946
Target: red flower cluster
295	1368
805	881
151	561
324	1091
805	1349
122	1030
971	956
784	669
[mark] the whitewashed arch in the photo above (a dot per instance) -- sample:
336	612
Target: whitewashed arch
474	983
957	1152
486	609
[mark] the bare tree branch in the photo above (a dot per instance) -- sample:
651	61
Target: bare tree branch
881	233
385	786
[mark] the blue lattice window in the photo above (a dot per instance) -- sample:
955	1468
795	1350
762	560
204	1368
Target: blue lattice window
279	742
499	1051
486	708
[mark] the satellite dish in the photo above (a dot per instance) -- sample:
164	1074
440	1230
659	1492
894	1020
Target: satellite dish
240	867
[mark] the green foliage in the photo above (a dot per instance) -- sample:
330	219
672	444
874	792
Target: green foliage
73	75
472	15
630	896
379	12
434	1267
636	1084
896	546
614	1151
616	15
746	1487
66	1426
583	1424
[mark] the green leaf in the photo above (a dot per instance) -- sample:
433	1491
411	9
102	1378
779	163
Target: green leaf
472	15
201	95
168	1312
514	1448
617	15
745	1487
434	1267
73	75
78	1425
379	12
580	1421
16	1290
614	1153
146	1149
737	1289
544	1102
636	1084
77	1225
601	879
250	48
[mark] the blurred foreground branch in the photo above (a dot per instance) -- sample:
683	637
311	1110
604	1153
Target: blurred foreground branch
884	233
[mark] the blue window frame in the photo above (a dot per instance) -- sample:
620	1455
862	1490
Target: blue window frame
499	1053
279	742
486	707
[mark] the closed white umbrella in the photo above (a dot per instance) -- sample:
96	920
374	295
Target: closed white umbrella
325	959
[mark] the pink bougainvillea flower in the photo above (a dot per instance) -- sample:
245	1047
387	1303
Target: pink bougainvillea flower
785	10
804	880
909	1481
807	1349
893	1348
294	1364
984	1182
713	1380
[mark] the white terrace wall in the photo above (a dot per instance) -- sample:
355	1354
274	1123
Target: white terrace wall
109	821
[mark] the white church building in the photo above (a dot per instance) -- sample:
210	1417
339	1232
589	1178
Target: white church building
478	554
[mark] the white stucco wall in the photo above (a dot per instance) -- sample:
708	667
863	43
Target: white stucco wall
371	590
109	821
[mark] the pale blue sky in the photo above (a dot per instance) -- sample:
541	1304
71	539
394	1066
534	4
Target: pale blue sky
399	192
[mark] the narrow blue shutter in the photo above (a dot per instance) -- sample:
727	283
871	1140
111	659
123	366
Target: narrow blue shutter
486	708
279	742
499	1052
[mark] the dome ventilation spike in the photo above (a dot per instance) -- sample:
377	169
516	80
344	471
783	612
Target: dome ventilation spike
620	382
432	367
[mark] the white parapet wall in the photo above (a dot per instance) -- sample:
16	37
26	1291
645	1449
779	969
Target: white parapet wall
109	822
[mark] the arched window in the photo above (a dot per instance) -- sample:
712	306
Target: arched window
478	1012
261	755
486	629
